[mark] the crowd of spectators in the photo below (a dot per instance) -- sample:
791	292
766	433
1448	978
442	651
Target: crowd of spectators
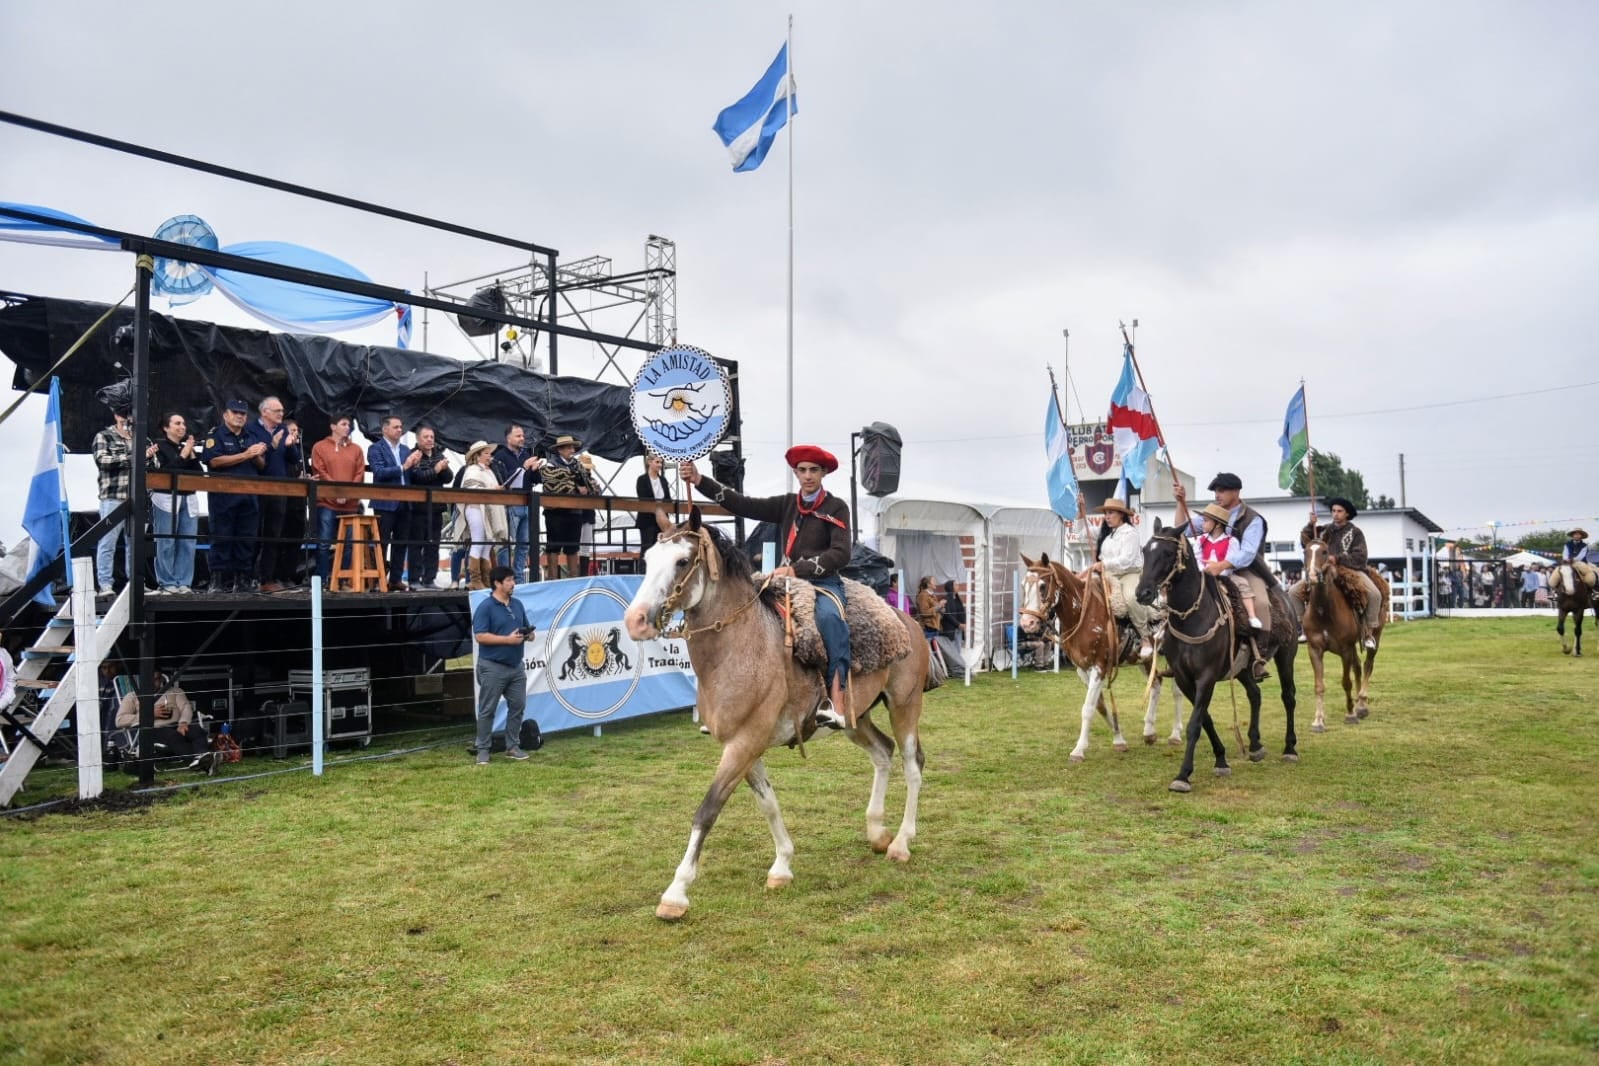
256	540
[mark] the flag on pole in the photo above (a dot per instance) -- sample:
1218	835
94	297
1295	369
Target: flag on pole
44	516
1060	479
1132	423
1295	440
748	127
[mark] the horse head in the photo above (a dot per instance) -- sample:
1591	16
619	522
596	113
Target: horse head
679	569
1319	566
1166	556
1041	589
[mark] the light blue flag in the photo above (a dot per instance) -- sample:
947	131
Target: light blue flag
1061	479
749	126
44	517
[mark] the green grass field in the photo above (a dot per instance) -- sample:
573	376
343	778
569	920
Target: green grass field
1419	888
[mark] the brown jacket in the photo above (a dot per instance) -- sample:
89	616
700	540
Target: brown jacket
1345	543
172	707
927	609
821	543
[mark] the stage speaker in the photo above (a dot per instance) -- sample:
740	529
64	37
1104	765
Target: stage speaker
880	451
491	298
728	469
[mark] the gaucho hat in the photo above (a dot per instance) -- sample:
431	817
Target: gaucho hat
1344	502
1575	533
1226	481
1113	504
1218	512
810	453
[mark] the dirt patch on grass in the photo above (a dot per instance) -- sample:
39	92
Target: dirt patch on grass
108	802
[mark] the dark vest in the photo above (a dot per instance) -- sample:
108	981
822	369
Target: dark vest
1258	566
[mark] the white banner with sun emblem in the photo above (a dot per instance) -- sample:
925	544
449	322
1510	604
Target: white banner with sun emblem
582	667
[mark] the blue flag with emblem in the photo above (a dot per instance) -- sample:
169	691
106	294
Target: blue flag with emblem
1060	479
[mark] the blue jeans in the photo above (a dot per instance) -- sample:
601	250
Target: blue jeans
516	527
105	553
174	544
327	524
457	560
834	630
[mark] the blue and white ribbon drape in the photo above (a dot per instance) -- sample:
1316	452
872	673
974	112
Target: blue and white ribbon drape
286	305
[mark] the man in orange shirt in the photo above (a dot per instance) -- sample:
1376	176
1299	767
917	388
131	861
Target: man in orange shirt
335	458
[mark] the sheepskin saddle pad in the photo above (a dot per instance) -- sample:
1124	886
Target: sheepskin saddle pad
877	634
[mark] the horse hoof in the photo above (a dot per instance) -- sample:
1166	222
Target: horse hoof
1318	728
771	882
1076	757
1224	771
1119	747
1351	719
1289	756
1565	651
1174	742
1257	755
1180	785
670	912
1149	741
899	854
1362	712
881	841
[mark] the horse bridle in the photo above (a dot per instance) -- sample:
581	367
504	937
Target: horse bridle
1179	564
1046	611
706	554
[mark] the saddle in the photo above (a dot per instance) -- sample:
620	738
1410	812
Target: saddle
877	637
1282	629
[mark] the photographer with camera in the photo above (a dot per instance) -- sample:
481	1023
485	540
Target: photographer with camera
500	627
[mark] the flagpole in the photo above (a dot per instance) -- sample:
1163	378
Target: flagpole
789	103
1310	453
66	508
1138	370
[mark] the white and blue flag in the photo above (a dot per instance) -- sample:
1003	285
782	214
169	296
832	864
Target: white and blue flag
45	515
749	126
1061	479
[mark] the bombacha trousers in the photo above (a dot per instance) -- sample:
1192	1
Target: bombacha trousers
830	623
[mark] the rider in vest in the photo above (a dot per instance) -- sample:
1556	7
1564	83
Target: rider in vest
1347	546
1216	544
813	529
1576	553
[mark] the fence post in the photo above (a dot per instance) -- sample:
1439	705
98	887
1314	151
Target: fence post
1015	621
86	664
317	696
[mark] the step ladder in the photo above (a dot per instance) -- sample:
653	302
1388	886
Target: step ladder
49	668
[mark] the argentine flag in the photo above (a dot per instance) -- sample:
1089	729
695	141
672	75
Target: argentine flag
1061	480
749	126
45	515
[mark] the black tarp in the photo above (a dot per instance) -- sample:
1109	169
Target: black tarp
195	367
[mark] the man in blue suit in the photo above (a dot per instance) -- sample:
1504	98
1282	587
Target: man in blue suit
391	463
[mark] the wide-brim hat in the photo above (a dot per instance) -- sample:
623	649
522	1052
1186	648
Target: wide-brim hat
1218	512
566	438
477	449
1115	505
1344	502
810	453
1575	533
1227	481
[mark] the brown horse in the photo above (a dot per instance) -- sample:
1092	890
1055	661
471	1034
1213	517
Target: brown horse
1331	625
753	695
1573	598
1073	610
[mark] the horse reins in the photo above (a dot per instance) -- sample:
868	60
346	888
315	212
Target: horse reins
1179	564
713	571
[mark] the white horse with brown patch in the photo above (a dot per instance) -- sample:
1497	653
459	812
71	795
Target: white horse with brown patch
754	695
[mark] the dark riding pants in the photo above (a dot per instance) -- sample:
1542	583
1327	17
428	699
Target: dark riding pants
830	623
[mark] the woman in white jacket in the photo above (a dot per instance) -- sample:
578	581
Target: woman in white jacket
1122	556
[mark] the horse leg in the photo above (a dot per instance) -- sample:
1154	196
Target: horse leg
880	750
1256	750
904	697
1153	707
1290	691
735	764
1198	718
1094	680
1216	747
780	874
1351	660
1317	667
1560	627
1176	736
1112	718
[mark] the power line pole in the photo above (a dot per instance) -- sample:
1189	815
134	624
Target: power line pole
1401	479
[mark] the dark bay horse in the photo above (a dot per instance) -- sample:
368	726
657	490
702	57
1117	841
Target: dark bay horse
1073	610
754	696
1201	646
1573	598
1331	625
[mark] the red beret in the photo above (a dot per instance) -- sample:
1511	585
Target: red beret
810	453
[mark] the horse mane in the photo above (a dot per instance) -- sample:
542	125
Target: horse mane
735	563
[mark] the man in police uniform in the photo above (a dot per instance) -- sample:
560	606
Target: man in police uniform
234	516
814	533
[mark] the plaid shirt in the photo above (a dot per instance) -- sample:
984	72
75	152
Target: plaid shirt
113	457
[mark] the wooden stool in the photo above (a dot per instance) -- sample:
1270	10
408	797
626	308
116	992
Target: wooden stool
366	555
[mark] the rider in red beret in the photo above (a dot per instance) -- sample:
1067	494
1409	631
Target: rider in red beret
813	530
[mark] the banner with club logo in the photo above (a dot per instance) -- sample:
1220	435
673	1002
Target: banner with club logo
582	667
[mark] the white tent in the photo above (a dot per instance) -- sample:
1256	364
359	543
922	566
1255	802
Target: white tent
979	543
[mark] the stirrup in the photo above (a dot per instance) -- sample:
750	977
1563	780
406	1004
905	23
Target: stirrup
828	715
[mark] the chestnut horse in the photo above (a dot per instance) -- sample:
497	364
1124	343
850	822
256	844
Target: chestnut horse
1331	625
1202	646
753	695
1073	611
1574	598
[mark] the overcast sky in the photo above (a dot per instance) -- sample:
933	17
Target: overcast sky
1396	202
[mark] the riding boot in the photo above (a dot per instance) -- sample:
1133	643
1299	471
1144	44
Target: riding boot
833	711
1257	666
479	571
